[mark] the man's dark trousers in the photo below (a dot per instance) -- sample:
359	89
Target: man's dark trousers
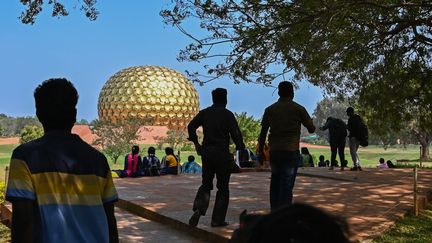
215	161
338	147
284	166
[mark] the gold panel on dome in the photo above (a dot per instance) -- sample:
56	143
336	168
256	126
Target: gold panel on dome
149	92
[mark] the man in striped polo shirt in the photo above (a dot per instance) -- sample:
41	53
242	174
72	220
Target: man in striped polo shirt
60	187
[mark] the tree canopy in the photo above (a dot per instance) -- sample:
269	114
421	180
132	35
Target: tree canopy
249	127
338	45
35	7
376	51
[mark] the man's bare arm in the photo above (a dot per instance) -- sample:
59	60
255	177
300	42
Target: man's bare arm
22	221
112	223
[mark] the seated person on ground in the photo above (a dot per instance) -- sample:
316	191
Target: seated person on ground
335	163
191	167
244	159
293	223
390	164
132	164
306	158
170	163
321	162
382	164
152	165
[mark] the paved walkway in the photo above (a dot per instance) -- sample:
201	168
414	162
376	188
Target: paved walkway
137	229
370	200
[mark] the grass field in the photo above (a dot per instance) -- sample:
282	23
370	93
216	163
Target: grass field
6	152
409	229
369	156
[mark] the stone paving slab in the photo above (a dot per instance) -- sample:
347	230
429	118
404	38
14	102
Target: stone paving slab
132	228
370	200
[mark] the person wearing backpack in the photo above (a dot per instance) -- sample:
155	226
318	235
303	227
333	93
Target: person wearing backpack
358	135
337	138
152	165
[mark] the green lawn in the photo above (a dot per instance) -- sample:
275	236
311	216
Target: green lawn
409	229
369	156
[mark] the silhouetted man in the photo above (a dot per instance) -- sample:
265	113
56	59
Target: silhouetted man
284	119
218	125
354	128
60	187
337	138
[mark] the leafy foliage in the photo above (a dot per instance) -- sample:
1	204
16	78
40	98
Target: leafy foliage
329	107
34	8
29	133
337	45
12	126
173	139
378	51
249	127
116	139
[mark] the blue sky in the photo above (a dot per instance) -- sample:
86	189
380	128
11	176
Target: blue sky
127	33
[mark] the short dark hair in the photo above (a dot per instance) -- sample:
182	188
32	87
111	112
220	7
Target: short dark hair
135	149
169	150
304	150
191	158
350	110
151	150
381	160
295	223
56	101
321	157
286	89
219	96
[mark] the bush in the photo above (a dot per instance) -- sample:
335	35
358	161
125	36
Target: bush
187	147
2	191
29	133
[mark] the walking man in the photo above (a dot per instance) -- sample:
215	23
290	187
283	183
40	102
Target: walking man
337	136
354	128
218	124
284	119
60	187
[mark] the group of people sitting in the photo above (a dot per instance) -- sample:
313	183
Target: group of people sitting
150	165
384	165
307	161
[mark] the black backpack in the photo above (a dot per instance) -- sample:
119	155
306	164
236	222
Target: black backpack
363	134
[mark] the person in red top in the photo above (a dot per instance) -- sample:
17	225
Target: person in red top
133	163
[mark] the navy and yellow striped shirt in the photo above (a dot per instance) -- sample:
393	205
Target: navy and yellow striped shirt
69	181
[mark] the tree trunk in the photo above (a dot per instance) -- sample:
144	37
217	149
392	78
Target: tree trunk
425	151
424	140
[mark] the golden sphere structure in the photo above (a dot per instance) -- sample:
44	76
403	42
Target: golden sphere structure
157	94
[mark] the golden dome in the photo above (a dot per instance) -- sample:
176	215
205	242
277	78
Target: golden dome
162	94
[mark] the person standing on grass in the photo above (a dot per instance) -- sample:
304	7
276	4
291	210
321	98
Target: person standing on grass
337	136
60	187
218	124
355	124
284	119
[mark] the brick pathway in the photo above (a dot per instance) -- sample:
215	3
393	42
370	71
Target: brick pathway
370	200
137	229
